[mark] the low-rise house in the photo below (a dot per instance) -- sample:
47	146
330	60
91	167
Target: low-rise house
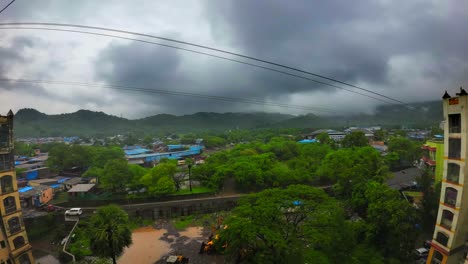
367	133
81	190
35	196
333	134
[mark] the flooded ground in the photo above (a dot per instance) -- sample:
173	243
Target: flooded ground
146	248
154	244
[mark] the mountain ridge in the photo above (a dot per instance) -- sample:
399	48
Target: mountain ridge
33	123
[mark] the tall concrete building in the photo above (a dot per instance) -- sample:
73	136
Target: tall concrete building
451	230
14	245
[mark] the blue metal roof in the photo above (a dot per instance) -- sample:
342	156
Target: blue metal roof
63	180
194	150
171	147
136	151
25	189
57	185
307	141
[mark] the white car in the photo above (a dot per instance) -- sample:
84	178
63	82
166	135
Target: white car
421	253
74	211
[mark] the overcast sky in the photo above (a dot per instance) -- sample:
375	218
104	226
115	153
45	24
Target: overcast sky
409	50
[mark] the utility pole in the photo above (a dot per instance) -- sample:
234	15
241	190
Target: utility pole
189	176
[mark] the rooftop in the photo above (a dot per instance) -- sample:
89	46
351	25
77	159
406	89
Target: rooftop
29	191
81	188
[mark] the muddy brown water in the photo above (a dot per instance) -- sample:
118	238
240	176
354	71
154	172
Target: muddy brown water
148	247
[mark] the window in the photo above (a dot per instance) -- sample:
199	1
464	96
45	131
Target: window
18	242
9	204
24	259
455	123
453	172
4	136
437	257
447	219
14	225
454	148
450	196
7	183
5	162
442	238
3	244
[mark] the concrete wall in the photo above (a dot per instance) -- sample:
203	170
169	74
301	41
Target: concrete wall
175	209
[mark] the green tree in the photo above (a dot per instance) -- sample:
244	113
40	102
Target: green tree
115	175
101	155
153	177
325	139
390	220
430	200
407	150
63	156
212	142
110	232
165	185
380	135
23	149
293	225
352	167
355	139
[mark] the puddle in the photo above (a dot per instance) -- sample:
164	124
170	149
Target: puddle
146	248
193	233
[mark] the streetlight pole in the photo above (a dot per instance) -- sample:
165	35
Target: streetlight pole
189	176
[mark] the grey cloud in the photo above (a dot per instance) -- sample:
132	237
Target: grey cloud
351	41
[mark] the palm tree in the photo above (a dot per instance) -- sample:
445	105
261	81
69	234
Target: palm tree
110	232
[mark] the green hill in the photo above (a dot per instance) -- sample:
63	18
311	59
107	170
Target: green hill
32	123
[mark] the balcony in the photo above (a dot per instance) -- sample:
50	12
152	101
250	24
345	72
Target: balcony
9	210
20	249
428	161
455	123
453	172
454	148
450	196
447	219
442	239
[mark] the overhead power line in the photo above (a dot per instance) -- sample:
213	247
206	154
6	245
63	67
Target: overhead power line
160	91
200	46
206	54
3	9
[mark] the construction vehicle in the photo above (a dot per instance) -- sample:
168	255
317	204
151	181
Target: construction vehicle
177	260
209	247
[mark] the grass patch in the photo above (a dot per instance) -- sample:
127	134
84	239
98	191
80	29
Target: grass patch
413	194
137	222
60	197
195	190
183	222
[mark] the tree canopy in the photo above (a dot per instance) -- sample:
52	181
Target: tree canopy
110	232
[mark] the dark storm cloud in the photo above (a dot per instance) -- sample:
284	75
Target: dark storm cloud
348	40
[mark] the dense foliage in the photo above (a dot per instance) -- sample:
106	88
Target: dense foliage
109	232
302	224
281	162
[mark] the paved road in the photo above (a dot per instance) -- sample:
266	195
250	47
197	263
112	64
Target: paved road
404	178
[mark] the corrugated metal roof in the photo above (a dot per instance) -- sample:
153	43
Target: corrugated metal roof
81	188
25	189
136	151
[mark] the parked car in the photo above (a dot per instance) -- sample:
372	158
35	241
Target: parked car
421	253
48	208
74	211
427	244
